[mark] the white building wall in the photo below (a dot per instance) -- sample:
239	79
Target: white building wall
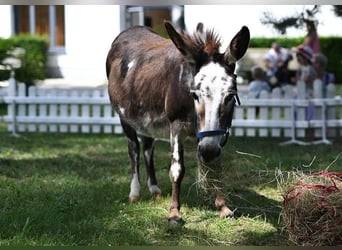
5	21
89	32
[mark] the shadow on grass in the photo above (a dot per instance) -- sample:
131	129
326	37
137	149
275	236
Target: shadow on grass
49	202
76	194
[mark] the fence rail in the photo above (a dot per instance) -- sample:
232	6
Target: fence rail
59	110
282	113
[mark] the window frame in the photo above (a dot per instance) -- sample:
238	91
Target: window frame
53	48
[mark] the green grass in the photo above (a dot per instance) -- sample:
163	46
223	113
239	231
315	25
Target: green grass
72	189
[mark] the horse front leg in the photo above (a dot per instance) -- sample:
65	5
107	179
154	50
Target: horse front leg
176	175
220	202
211	181
221	206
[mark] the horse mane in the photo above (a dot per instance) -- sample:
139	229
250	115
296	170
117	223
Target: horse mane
203	45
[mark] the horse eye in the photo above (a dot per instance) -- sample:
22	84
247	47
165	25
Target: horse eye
227	99
195	96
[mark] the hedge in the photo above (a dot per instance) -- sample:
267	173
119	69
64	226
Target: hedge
33	61
330	46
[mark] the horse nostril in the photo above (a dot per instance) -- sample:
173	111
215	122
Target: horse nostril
208	153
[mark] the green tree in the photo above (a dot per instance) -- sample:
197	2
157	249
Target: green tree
296	20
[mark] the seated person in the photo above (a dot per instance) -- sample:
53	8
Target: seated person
258	83
276	63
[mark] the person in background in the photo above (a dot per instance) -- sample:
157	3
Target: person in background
320	62
311	39
306	71
307	74
258	83
276	63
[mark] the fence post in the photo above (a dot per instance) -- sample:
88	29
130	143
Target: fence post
32	109
276	94
63	128
21	107
74	112
85	114
11	109
318	110
331	110
289	95
96	112
251	115
263	114
301	95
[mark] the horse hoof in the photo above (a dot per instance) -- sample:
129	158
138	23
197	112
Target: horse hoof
157	196
176	222
226	213
133	199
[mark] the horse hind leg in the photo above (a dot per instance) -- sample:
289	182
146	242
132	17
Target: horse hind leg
148	149
134	152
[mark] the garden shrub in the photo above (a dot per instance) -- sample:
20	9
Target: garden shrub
33	61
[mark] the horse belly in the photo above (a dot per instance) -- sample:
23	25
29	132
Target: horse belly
151	125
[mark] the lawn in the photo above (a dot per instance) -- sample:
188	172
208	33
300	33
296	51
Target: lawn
72	189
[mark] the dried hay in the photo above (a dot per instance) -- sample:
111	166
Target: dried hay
312	208
211	180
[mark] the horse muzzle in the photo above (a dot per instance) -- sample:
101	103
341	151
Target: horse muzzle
208	152
209	147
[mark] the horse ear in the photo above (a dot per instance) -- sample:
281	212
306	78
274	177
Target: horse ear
238	46
178	41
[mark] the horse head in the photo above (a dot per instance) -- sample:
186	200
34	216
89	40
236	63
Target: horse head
214	88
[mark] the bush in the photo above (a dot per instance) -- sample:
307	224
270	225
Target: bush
6	45
33	61
330	46
267	42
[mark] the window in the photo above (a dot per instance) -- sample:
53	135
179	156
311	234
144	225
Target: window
153	16
42	20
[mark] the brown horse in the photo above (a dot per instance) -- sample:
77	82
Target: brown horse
164	88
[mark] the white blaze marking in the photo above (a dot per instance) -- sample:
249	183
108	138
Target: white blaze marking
175	153
130	65
122	110
175	171
135	186
212	89
175	167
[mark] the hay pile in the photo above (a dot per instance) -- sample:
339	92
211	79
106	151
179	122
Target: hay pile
312	208
211	180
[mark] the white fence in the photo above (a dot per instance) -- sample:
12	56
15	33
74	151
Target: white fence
59	110
281	113
286	112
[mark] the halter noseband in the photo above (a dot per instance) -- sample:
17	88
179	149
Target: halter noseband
216	132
